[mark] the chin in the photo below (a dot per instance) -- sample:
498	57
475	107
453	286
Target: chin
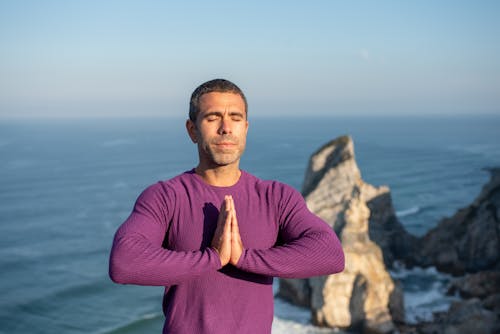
225	160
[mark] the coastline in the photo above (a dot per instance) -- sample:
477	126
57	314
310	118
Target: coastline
68	184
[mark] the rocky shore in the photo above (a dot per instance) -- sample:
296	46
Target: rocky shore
365	298
467	245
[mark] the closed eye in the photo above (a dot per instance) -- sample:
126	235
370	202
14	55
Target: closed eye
212	116
237	116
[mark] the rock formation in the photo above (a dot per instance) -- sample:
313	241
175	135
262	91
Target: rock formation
481	285
463	317
329	182
478	312
386	230
470	240
468	243
364	296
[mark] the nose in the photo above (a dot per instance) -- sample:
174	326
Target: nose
225	126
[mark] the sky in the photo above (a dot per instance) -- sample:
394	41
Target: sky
73	58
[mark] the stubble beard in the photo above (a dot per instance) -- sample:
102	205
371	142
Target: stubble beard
218	157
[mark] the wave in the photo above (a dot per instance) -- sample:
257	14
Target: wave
425	292
486	150
146	323
422	305
408	212
118	142
401	272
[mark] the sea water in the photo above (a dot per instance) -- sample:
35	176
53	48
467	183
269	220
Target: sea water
66	185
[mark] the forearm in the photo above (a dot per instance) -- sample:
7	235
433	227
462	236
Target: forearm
313	254
135	260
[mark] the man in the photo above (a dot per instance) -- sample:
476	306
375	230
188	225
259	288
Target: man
216	236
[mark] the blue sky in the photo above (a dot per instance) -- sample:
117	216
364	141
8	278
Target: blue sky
144	58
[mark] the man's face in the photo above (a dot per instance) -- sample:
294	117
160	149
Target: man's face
220	129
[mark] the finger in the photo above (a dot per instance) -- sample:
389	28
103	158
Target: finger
222	215
233	208
227	200
222	212
227	220
234	223
222	220
231	200
223	206
236	242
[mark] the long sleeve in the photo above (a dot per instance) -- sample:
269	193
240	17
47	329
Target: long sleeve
137	255
308	246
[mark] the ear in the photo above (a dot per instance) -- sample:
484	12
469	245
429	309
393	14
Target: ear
191	130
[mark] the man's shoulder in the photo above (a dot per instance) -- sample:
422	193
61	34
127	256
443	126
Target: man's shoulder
171	184
187	176
274	186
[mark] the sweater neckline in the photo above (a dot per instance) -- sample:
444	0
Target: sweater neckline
203	183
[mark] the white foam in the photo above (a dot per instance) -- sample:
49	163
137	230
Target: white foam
408	212
400	272
152	315
421	302
421	305
282	326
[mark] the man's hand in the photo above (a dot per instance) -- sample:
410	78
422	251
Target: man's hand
236	243
227	241
221	241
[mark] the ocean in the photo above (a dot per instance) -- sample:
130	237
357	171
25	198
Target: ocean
67	184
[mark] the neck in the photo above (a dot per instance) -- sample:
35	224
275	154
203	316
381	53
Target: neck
220	176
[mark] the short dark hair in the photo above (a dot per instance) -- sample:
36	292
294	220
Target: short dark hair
216	85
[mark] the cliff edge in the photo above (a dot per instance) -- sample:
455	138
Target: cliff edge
469	241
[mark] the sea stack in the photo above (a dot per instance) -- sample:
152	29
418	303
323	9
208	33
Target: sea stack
363	297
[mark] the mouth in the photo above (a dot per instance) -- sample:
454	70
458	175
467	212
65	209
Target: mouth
225	146
225	143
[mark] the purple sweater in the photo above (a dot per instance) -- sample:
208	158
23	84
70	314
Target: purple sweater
166	242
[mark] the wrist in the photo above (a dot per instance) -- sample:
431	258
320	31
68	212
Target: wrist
237	262
217	255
